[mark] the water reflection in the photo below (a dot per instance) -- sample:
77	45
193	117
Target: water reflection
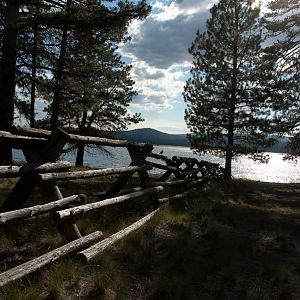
277	170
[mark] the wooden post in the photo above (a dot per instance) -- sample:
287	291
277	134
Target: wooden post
47	258
20	193
168	173
189	169
67	228
138	156
136	160
161	167
21	142
27	183
50	152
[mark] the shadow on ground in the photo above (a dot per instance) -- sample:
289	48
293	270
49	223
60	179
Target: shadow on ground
230	241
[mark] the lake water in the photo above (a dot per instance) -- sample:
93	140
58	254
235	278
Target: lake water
277	170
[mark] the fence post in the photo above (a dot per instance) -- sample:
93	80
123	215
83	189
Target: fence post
27	182
138	154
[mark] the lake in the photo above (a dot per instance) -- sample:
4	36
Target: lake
277	170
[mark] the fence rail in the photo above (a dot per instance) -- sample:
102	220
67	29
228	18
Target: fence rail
43	148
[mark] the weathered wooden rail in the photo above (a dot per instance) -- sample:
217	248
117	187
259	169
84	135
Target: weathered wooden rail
43	171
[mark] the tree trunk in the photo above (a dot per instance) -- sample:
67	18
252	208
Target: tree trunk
232	101
81	146
33	75
80	154
7	74
59	75
228	160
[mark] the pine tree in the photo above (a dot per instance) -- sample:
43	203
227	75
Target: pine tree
91	87
225	101
16	20
7	70
34	39
283	68
96	88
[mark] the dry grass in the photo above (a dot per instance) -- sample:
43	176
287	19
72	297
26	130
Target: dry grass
231	241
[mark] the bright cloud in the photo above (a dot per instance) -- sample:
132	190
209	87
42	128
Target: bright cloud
158	88
159	54
164	37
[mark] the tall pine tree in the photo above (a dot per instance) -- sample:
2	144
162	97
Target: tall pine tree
96	88
92	87
283	28
225	103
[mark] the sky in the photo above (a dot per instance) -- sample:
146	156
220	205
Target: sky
158	52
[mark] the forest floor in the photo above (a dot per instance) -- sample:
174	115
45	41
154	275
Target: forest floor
228	241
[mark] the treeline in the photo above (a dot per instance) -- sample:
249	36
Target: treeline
244	88
64	53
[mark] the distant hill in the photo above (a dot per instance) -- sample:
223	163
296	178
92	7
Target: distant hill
155	137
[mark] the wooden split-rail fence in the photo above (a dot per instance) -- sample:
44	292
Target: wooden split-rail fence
43	170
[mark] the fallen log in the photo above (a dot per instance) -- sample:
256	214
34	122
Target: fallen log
122	192
168	183
15	171
102	141
21	142
96	205
176	197
162	167
92	251
191	172
37	210
90	173
159	156
185	159
198	181
43	260
74	138
32	132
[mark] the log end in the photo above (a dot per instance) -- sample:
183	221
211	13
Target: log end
82	257
83	198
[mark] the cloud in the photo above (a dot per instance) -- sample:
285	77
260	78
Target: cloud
144	73
152	102
163	39
158	52
158	89
194	4
164	43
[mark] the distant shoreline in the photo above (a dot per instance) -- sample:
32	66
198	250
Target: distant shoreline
155	137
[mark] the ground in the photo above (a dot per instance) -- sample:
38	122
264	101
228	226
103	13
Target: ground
237	240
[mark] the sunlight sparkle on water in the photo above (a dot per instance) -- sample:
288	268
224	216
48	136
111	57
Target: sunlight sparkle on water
277	170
